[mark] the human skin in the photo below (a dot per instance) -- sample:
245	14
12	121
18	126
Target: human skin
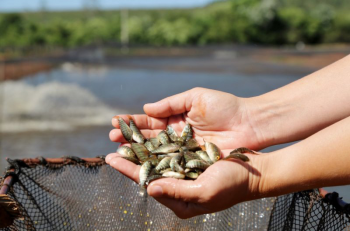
290	113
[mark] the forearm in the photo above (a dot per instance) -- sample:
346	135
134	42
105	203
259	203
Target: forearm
303	107
321	160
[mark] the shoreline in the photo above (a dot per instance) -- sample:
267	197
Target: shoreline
229	58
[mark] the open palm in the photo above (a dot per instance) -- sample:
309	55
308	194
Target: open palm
215	116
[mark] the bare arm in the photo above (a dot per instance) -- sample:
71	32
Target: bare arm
300	109
318	161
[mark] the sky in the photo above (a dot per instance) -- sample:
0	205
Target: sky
61	5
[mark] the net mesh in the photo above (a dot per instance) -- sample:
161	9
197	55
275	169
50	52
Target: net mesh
93	196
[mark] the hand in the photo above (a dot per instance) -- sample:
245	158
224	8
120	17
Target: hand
215	116
222	185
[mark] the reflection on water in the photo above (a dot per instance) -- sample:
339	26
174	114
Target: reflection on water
51	114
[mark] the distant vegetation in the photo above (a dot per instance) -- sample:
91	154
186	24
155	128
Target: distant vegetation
272	22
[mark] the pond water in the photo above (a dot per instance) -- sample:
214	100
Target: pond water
67	111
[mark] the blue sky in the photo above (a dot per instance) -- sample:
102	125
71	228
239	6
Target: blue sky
34	5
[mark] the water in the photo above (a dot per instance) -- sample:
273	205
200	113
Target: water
67	111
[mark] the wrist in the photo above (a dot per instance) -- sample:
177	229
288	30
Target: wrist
264	116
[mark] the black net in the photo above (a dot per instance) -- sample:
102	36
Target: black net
92	196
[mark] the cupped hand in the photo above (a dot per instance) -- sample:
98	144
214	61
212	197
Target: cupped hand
222	185
217	117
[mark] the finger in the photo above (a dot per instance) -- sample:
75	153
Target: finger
141	121
116	135
182	209
172	105
187	191
125	167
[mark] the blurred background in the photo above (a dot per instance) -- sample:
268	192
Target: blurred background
67	67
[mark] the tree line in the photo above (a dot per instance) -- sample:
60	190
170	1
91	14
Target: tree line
266	22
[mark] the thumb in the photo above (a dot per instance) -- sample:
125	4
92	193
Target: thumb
172	105
187	191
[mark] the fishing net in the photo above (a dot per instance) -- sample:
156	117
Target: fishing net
86	194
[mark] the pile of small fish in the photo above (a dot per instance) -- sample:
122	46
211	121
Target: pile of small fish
170	155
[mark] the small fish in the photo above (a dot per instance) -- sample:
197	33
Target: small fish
152	178
163	137
213	151
166	148
165	170
131	159
192	144
145	171
172	174
171	133
149	145
141	151
191	156
175	163
126	151
237	156
155	142
243	150
187	132
198	164
192	175
204	156
136	135
154	160
163	164
125	129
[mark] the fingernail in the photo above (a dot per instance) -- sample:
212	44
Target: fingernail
156	191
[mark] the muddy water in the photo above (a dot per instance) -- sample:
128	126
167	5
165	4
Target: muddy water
67	111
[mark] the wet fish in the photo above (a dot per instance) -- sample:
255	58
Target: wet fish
163	137
171	133
243	150
213	151
155	142
136	134
237	156
163	164
199	164
145	171
187	132
166	148
204	156
172	174
192	175
175	163
125	129
152	178
141	151
192	144
149	145
131	159
126	151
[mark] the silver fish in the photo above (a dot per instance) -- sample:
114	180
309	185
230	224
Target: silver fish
163	138
176	175
175	163
172	134
126	151
136	135
187	132
125	129
204	156
198	164
166	148
145	171
213	151
141	151
163	164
